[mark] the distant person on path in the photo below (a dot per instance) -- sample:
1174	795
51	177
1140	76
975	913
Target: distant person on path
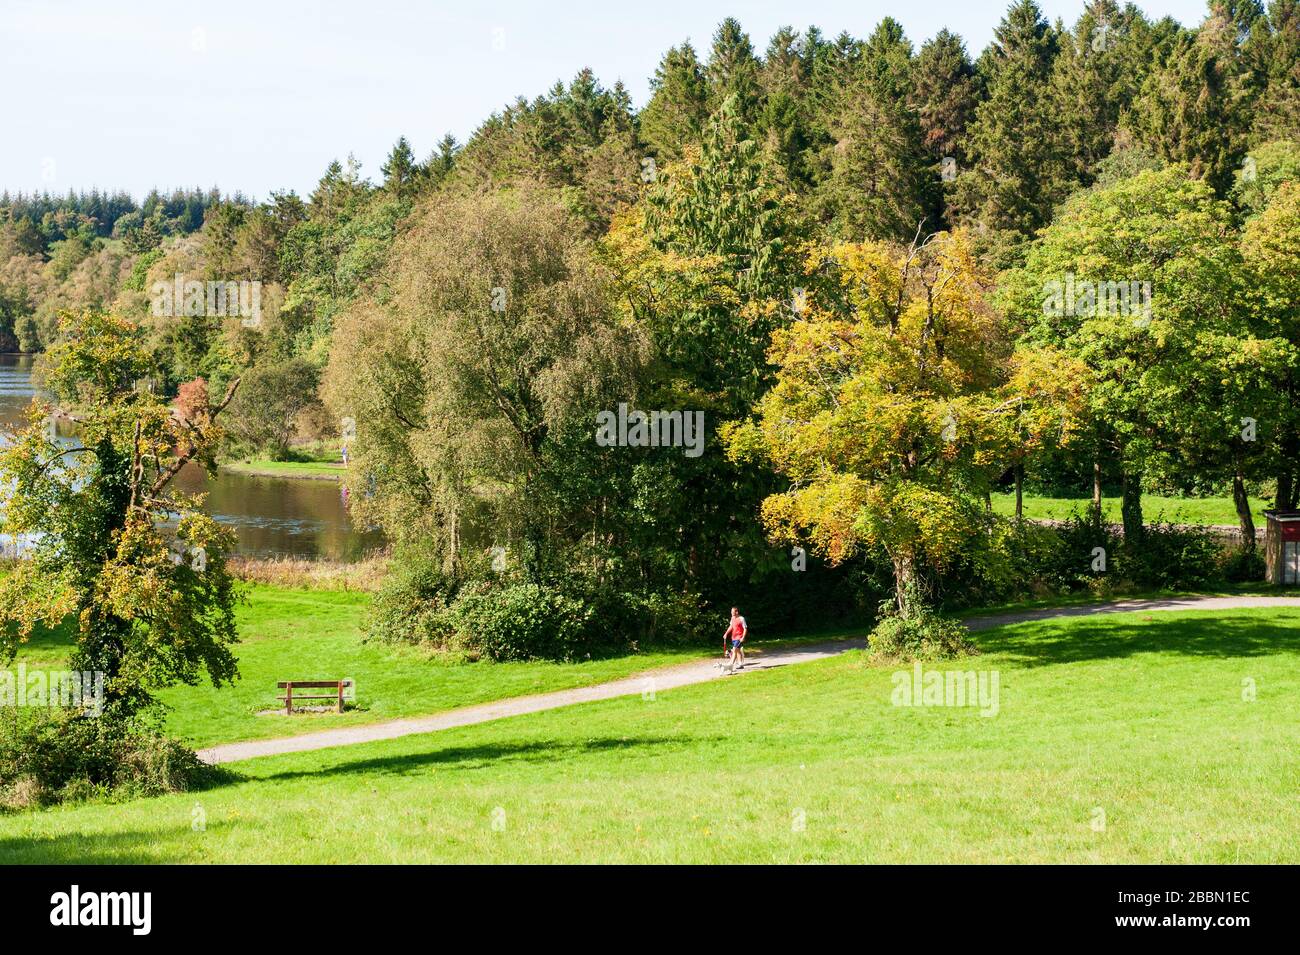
345	455
736	631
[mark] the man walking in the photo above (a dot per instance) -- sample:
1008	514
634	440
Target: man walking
736	631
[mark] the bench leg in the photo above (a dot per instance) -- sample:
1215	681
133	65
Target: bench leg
340	708
288	701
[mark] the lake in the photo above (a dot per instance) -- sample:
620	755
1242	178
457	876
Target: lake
271	517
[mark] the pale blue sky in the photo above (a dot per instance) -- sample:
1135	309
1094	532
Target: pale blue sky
255	96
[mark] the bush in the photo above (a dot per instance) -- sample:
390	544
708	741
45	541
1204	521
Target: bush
922	636
525	621
49	756
1173	557
1243	567
413	600
1029	560
654	617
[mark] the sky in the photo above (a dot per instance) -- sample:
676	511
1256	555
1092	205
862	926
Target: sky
259	96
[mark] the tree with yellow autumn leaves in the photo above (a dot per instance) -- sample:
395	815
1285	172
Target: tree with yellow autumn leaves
898	400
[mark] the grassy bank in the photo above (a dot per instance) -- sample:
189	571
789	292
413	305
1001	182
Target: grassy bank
317	461
1118	739
1179	510
307	470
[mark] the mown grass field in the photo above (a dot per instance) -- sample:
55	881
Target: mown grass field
298	634
319	470
1179	510
1123	738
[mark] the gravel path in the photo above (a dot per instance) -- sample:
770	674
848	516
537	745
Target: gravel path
653	681
668	678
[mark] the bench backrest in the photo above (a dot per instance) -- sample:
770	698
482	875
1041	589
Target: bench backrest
312	684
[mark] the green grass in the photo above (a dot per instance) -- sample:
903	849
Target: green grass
1139	716
1180	510
318	470
290	634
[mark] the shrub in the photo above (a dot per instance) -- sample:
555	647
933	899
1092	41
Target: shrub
653	617
413	600
524	621
49	756
1243	567
1175	557
1024	559
924	635
1030	560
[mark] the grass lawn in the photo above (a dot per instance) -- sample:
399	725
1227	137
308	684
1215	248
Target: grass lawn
1180	510
292	634
1139	717
318	470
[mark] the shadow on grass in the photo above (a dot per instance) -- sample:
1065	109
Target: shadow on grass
131	847
482	756
47	642
1042	643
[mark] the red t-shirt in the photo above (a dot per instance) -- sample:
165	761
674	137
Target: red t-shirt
737	628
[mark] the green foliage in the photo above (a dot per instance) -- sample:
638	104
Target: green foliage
920	635
56	756
1017	170
882	182
678	107
412	603
1195	108
152	607
263	416
1243	566
526	621
1263	172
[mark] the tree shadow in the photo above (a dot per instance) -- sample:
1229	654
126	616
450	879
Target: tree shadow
128	847
482	756
1042	643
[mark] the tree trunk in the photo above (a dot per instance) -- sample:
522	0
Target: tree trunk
1244	517
905	586
1096	489
1285	498
1020	489
1131	509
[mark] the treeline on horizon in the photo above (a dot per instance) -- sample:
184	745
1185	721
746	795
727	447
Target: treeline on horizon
681	233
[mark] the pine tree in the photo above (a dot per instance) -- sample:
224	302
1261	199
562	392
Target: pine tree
1277	115
784	122
400	170
1016	176
678	106
732	74
881	184
887	59
1196	107
946	94
443	160
1094	80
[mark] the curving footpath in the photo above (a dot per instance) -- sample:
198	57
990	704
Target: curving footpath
682	675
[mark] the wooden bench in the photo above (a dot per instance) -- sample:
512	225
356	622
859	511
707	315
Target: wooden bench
335	685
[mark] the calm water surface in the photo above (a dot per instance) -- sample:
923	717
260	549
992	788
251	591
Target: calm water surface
270	516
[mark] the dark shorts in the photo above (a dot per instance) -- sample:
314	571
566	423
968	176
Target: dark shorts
736	643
